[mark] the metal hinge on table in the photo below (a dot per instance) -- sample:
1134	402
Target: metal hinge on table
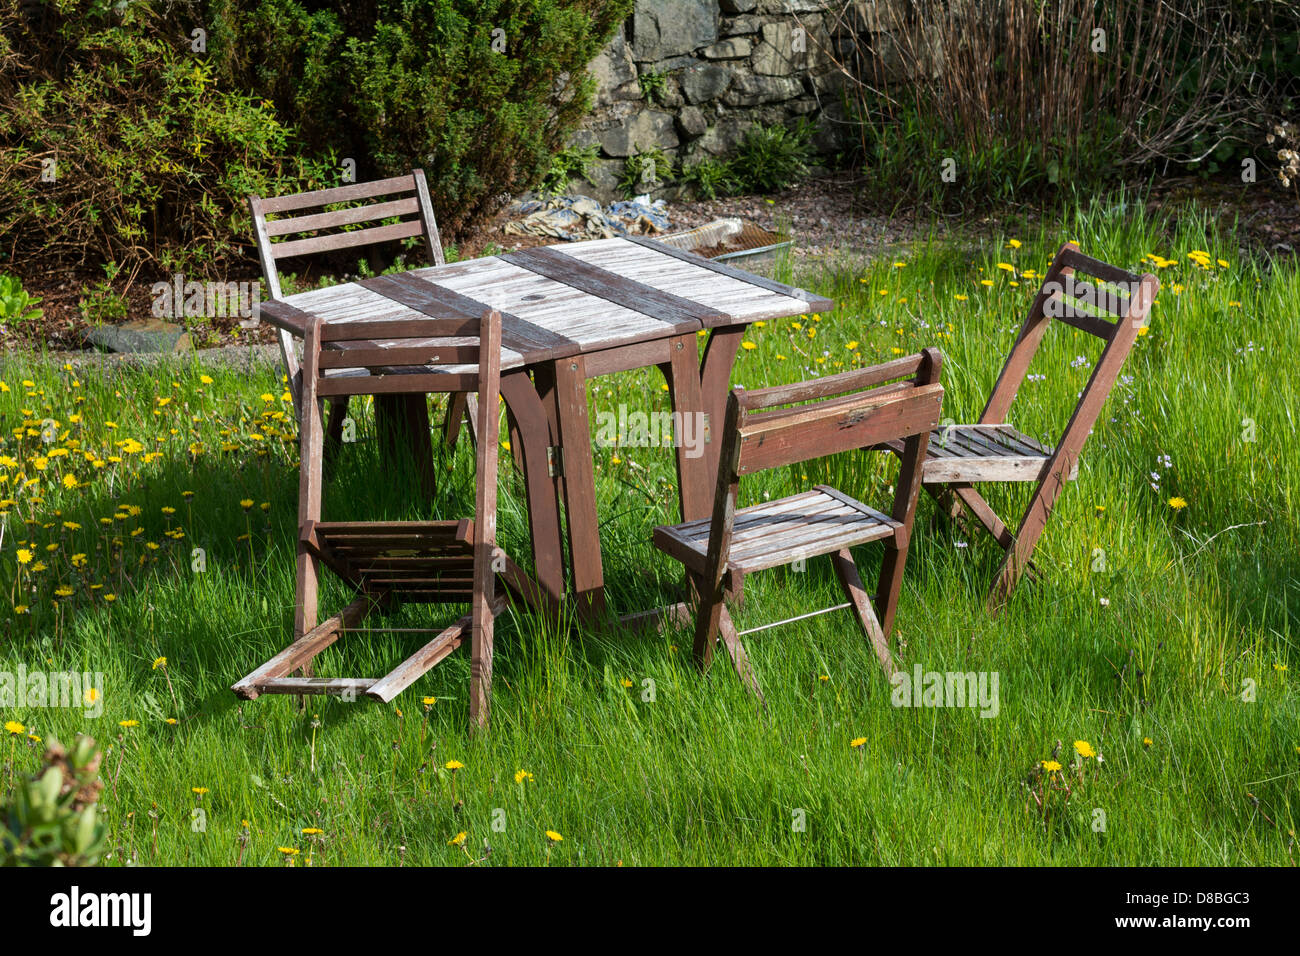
554	461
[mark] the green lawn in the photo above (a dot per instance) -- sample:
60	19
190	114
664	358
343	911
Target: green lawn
1161	636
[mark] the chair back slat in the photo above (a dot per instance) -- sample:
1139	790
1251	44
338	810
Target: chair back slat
400	383
398	329
830	385
435	352
347	240
872	417
349	193
1064	298
342	217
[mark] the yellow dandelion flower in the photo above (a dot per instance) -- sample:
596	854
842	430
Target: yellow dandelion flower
1051	766
458	839
553	836
1178	504
453	765
1084	749
857	742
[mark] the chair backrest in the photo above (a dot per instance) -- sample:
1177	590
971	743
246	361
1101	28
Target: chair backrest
858	409
299	224
1114	307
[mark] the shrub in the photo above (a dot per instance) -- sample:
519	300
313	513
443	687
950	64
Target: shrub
772	158
646	171
117	144
16	305
1016	97
153	144
53	819
568	164
711	178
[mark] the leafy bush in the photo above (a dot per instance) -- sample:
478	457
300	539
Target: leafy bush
772	158
15	303
54	820
711	178
119	141
568	164
647	170
481	93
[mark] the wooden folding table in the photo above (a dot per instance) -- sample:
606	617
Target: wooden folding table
570	313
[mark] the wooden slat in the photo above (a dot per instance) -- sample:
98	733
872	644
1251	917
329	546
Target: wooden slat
380	356
398	384
334	686
336	194
306	647
829	385
1075	259
342	217
419	663
802	433
683	314
346	240
1059	310
815	303
423	295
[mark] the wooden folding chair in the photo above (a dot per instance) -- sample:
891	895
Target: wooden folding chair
1113	308
853	410
312	229
449	561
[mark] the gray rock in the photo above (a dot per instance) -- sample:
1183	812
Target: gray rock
733	49
615	73
640	131
787	48
739	6
749	90
661	30
601	182
691	122
705	82
738	26
141	335
723	137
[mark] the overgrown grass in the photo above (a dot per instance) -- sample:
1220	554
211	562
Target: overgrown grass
633	756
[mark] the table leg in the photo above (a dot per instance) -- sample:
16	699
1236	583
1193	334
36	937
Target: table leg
543	505
693	461
403	423
574	422
715	384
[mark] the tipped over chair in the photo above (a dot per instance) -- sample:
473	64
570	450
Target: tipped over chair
311	227
1113	308
448	561
775	427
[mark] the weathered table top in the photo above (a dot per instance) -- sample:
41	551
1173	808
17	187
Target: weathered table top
564	300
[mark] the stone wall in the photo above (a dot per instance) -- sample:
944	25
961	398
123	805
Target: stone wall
690	76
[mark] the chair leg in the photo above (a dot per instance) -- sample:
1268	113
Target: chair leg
480	679
708	618
1017	562
891	583
851	583
713	623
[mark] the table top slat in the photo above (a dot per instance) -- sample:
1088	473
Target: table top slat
685	315
812	301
